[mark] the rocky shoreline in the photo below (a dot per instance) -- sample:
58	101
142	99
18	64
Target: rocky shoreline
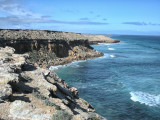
29	91
33	93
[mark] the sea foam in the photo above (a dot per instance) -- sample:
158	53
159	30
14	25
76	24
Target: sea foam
55	67
145	98
104	43
111	49
112	56
72	64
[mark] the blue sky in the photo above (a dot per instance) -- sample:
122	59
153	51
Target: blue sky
84	16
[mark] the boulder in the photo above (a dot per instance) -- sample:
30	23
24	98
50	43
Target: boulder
5	91
74	91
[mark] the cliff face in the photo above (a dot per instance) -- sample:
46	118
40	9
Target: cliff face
33	93
48	47
29	40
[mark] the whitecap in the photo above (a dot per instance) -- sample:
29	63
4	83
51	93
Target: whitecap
104	43
55	67
111	49
145	98
112	56
72	64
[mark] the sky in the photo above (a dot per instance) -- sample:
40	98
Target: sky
137	17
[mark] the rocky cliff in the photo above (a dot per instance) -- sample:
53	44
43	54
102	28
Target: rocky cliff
30	92
33	93
48	48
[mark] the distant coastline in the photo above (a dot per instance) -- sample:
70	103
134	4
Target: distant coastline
95	39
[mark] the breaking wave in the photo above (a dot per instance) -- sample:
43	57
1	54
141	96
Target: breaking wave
72	64
112	56
104	43
145	98
55	67
111	49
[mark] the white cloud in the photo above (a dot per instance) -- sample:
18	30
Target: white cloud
14	8
17	16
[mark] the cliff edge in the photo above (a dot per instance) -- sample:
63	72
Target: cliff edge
33	93
48	48
29	91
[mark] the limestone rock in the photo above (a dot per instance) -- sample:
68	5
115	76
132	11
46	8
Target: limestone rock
5	78
5	91
23	110
7	50
36	93
74	91
48	48
8	59
9	64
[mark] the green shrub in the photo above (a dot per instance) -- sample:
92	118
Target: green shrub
35	56
93	118
46	100
49	103
38	95
62	115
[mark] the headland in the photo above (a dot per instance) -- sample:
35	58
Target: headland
28	90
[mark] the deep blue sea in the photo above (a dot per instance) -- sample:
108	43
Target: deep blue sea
124	84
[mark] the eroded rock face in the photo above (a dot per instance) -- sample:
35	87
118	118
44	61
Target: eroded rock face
9	64
53	41
48	48
34	93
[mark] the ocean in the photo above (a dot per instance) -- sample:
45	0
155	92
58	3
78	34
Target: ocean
124	84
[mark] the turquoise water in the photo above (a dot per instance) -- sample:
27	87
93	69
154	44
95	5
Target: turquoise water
125	83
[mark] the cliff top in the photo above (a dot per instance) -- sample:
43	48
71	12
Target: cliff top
16	34
28	34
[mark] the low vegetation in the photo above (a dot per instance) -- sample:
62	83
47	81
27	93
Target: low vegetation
46	101
62	115
93	118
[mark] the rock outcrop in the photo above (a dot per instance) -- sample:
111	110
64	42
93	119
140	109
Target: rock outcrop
33	93
29	91
48	48
5	91
95	39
